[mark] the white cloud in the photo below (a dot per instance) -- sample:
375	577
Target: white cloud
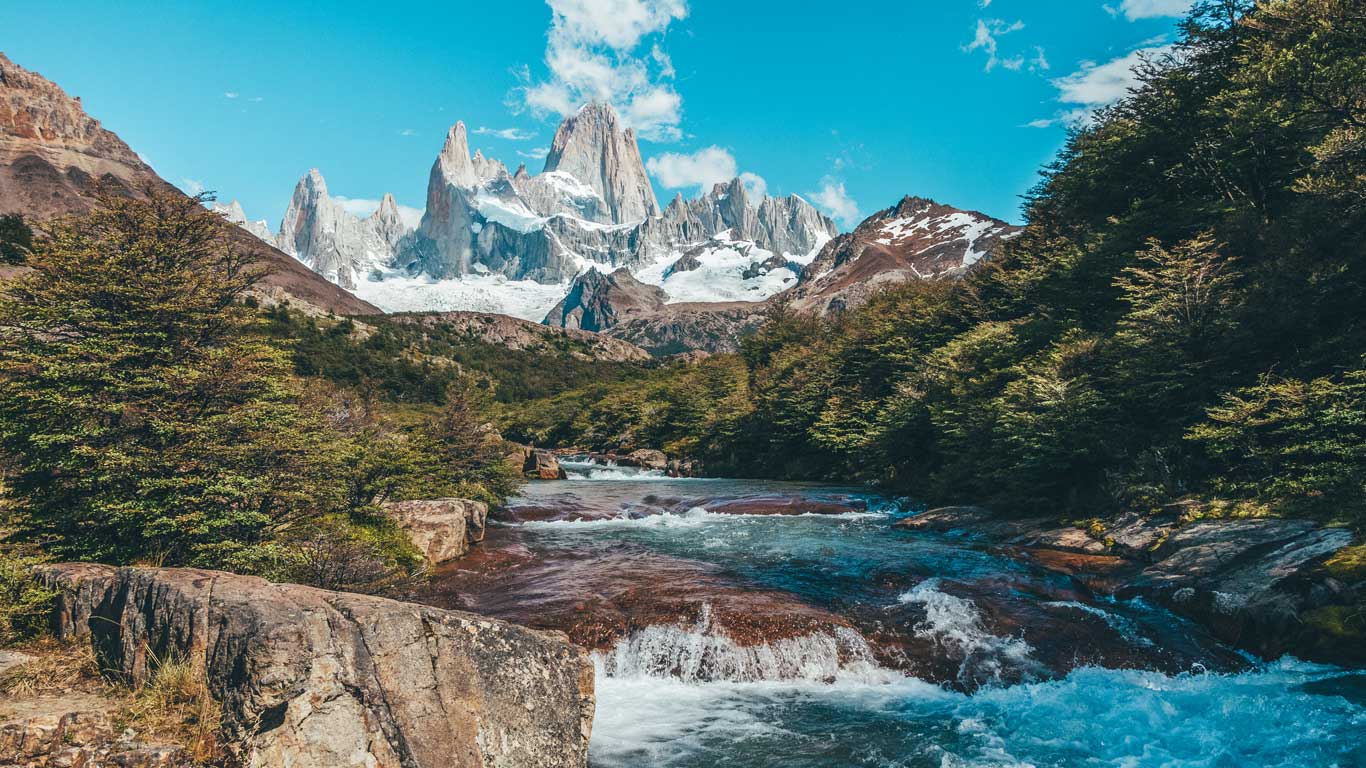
1099	85
538	153
407	132
1151	9
592	54
701	169
836	201
192	186
363	207
257	99
231	95
985	39
511	134
755	186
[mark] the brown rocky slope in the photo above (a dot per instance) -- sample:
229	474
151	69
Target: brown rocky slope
54	156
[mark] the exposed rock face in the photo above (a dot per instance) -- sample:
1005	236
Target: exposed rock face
691	327
1248	580
591	147
53	155
786	226
312	678
918	239
321	233
597	302
513	333
443	529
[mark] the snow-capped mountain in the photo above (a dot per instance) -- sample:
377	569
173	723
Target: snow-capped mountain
320	232
233	212
917	239
493	241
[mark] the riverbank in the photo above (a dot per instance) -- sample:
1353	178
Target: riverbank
758	624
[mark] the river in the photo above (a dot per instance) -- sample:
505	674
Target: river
754	624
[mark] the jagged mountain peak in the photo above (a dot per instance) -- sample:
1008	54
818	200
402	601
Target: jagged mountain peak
453	164
592	147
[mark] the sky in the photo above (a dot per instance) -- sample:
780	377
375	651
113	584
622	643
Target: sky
851	105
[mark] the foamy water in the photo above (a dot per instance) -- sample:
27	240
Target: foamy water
688	694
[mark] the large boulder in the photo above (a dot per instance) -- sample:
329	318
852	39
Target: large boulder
442	528
648	458
308	677
542	465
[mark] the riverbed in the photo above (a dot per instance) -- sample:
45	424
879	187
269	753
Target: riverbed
756	624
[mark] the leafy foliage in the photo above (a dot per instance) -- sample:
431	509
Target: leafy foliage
147	414
1180	318
16	239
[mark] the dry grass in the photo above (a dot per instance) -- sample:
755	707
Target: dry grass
175	705
56	668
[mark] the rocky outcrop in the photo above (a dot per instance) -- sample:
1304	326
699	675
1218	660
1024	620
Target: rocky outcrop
683	328
513	333
311	678
443	529
542	465
54	157
1250	581
318	231
598	301
917	239
592	147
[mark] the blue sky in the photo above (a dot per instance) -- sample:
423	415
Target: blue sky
850	104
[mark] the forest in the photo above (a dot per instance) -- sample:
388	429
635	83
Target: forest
1181	319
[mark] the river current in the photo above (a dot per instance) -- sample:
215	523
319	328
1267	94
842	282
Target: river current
758	624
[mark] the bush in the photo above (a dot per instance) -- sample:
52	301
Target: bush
25	606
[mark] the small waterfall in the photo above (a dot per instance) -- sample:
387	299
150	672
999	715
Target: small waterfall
705	653
955	624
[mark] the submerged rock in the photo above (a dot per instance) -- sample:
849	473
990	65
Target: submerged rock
312	678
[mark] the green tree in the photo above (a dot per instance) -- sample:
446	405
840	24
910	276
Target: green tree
142	419
1298	445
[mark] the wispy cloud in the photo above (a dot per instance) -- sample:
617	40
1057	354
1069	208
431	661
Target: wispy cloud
511	134
1134	10
703	168
1097	84
231	94
192	186
594	53
407	132
985	39
538	153
836	201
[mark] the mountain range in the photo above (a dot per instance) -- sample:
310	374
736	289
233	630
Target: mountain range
581	245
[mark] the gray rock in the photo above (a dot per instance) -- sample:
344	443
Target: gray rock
592	147
315	679
443	529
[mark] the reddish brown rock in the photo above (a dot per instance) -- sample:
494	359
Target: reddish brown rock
53	156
